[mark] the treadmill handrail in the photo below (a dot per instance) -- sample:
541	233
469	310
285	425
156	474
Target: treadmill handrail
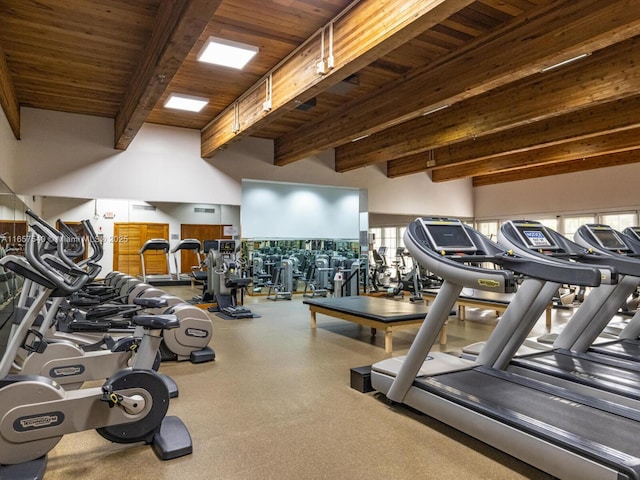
572	254
451	267
502	281
155	244
626	264
187	244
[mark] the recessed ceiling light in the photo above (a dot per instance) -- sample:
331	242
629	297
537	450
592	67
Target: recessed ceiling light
220	51
186	102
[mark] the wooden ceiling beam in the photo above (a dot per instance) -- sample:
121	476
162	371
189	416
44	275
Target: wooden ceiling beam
584	148
177	28
570	166
558	32
606	75
366	32
8	97
612	117
600	119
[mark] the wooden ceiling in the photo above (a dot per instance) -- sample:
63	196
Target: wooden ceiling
456	88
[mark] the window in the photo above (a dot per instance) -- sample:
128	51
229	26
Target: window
619	221
551	223
488	229
401	231
375	236
390	240
570	225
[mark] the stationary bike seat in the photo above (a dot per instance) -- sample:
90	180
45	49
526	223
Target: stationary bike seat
237	282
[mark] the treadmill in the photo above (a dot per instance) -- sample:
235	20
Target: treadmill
607	241
568	358
567	434
155	245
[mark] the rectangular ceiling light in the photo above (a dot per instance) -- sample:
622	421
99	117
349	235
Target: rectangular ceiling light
186	102
226	53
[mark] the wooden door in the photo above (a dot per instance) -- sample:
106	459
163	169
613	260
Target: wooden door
202	233
129	238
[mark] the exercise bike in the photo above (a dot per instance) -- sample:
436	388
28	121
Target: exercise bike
69	363
35	412
190	341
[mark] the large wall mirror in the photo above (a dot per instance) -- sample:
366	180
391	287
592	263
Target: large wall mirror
13	228
310	264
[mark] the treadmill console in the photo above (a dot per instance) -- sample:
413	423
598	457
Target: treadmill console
226	246
448	235
607	237
209	245
535	236
633	232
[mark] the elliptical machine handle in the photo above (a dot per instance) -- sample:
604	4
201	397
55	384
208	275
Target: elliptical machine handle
48	270
54	231
57	238
73	238
96	245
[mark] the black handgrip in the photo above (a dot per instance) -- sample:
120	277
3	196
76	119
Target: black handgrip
41	221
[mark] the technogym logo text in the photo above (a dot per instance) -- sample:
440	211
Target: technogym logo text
195	332
34	422
66	371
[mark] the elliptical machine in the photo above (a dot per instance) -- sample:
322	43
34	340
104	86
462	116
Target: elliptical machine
64	359
35	412
190	341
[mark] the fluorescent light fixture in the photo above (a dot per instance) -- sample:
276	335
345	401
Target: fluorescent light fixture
360	138
564	62
186	102
434	110
227	53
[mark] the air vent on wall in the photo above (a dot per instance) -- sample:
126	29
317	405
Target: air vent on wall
204	210
143	207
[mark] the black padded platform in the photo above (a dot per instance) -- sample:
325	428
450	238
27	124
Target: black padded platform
375	308
375	312
475	298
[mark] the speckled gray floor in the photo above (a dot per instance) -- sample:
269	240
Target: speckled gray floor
276	404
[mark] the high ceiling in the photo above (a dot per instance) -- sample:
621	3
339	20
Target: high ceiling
456	88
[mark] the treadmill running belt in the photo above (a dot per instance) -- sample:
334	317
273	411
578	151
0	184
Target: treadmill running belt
627	349
585	371
593	433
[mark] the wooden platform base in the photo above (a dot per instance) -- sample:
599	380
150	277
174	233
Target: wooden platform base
399	316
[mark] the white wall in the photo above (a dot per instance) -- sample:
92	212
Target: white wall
68	155
414	194
601	190
273	210
8	147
